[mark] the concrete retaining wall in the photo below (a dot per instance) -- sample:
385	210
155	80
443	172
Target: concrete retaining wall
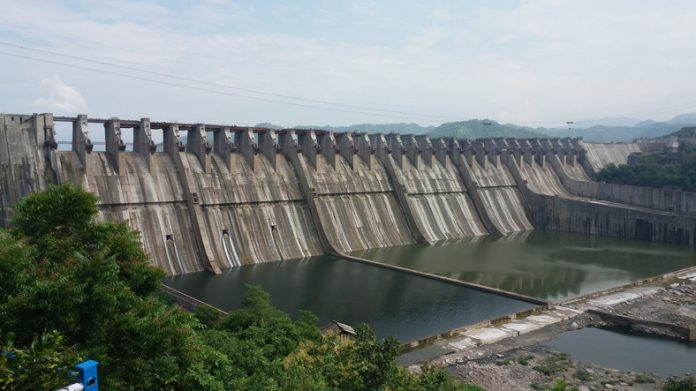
673	200
646	326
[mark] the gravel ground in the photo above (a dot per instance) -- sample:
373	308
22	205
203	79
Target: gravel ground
538	369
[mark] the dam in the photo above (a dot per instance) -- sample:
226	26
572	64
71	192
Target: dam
220	205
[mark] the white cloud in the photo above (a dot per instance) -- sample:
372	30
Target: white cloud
428	37
535	60
60	98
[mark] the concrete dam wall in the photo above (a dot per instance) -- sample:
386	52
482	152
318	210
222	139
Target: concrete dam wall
236	195
354	198
601	155
433	187
497	189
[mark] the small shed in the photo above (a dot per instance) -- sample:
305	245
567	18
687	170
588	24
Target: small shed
344	332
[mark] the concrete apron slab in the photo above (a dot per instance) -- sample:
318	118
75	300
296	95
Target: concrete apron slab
488	335
621	297
492	334
465	339
688	276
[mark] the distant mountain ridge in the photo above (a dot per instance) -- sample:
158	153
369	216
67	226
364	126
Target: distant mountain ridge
476	128
619	129
402	128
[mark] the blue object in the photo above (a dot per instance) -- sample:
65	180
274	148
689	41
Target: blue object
88	375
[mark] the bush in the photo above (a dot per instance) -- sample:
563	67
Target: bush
684	384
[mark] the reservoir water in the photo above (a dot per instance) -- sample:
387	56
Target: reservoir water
547	265
628	352
393	303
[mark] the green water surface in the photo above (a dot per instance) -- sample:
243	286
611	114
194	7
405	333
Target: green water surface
393	303
546	265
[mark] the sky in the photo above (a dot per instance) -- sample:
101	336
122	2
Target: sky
535	63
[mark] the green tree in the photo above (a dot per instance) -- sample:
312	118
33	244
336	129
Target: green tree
42	365
74	287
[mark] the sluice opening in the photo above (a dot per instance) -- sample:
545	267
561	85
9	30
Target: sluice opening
173	254
229	249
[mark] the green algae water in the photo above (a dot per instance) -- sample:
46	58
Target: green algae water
629	352
393	303
546	265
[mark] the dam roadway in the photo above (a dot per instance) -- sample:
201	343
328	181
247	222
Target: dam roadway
235	196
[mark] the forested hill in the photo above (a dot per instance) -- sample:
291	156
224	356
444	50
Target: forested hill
401	128
689	131
475	128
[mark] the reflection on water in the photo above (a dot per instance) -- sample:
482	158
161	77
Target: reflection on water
547	265
393	303
628	352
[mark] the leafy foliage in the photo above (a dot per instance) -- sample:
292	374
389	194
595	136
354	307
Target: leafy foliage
555	363
683	176
680	384
75	288
41	365
687	131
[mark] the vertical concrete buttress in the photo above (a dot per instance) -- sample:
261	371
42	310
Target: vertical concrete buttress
412	149
192	194
582	158
81	144
223	145
143	144
291	146
328	148
43	125
346	147
458	158
396	149
425	148
268	145
382	152
197	143
365	150
246	144
441	150
115	145
507	160
309	146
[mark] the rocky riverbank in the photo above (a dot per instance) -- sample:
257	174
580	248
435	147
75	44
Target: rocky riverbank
523	362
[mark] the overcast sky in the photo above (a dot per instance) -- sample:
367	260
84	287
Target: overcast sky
345	62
